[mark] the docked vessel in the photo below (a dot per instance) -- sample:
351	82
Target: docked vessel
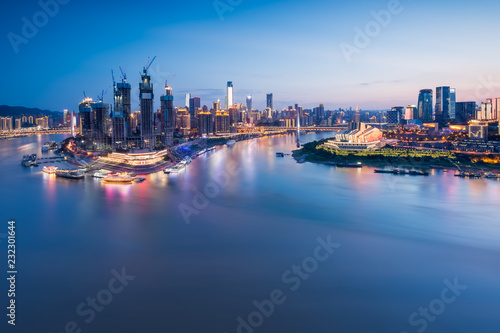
210	149
45	148
50	169
120	178
187	160
402	172
28	160
349	165
231	143
279	154
98	175
491	175
139	179
176	168
70	174
468	174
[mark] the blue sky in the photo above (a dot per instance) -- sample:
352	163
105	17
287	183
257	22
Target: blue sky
289	48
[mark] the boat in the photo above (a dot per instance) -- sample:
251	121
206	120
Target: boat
187	160
45	148
231	143
491	175
176	168
139	179
119	178
349	165
210	149
98	175
29	160
279	154
418	173
437	167
50	169
71	174
468	174
385	171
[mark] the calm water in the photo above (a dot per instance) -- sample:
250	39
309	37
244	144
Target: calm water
400	237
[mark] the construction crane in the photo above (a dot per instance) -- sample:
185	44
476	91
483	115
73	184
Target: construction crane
148	65
124	74
113	76
84	94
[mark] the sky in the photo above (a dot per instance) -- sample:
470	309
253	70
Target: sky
372	54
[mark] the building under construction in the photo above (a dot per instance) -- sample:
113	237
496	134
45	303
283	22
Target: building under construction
122	129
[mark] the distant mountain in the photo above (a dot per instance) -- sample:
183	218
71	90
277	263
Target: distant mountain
19	111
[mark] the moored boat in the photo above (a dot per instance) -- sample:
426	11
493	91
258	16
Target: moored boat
70	174
50	169
349	165
120	178
231	143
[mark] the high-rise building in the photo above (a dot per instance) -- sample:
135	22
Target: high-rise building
168	117
445	104
18	124
205	123
229	94
122	103
188	97
194	104
147	112
85	115
465	111
221	122
249	103
118	135
269	98
395	116
100	113
425	105
411	112
65	121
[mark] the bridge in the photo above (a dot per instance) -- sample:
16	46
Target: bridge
333	128
27	131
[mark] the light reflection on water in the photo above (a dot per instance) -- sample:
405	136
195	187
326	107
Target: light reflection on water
400	235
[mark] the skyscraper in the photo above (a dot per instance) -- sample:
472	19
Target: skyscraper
229	94
168	117
465	111
445	104
269	98
395	116
188	97
249	103
122	103
205	123
147	113
194	104
425	105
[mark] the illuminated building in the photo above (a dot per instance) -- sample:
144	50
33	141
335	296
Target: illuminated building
395	116
18	124
445	104
411	112
183	121
222	122
188	97
269	100
425	105
147	113
194	104
478	130
229	97
168	117
249	103
205	123
365	137
85	115
118	131
122	103
216	105
30	120
65	121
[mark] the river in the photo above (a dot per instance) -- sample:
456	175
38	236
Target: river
243	241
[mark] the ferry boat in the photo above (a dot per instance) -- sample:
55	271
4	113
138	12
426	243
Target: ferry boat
418	173
71	174
231	143
468	174
120	178
176	168
349	165
50	169
210	149
28	160
98	175
139	179
279	154
491	175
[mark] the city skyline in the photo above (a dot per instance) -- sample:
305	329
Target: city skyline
201	48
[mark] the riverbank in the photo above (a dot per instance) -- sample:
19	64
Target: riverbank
315	152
